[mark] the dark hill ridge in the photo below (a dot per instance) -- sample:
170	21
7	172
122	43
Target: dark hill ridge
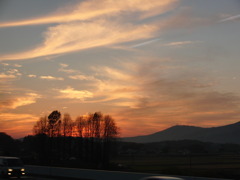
222	134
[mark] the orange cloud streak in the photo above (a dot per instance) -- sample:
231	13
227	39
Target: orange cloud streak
70	93
74	35
95	9
28	98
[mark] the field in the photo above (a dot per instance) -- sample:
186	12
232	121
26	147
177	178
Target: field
215	165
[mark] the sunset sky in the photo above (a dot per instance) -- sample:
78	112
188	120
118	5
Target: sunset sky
150	64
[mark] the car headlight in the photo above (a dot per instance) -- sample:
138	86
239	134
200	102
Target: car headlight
10	170
22	169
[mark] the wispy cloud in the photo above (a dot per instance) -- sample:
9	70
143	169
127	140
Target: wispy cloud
9	75
5	64
66	69
63	65
51	78
231	18
94	9
14	102
75	74
181	43
14	71
106	28
32	75
13	65
72	37
82	77
71	93
145	43
108	84
17	65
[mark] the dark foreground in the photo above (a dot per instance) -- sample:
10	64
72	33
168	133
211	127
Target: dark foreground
31	177
214	165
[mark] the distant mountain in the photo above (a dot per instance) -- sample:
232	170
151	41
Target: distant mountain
222	134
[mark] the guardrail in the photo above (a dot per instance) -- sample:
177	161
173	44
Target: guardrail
94	174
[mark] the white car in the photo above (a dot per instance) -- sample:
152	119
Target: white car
161	178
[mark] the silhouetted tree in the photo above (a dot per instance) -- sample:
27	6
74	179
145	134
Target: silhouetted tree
41	126
67	125
110	133
96	121
80	124
54	123
110	129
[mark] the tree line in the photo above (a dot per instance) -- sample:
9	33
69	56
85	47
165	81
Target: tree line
94	125
88	141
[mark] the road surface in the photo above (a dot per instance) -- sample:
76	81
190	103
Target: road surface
32	178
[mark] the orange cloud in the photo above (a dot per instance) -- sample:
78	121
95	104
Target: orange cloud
114	86
32	75
94	9
51	78
106	29
13	103
143	99
181	43
82	77
72	37
71	93
7	76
